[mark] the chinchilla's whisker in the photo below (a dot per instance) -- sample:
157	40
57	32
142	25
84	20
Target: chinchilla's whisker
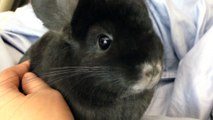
60	73
83	68
71	71
62	77
59	77
77	67
49	74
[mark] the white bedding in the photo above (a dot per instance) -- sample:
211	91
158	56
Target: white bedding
20	29
186	30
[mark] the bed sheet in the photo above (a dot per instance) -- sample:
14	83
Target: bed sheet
18	30
185	28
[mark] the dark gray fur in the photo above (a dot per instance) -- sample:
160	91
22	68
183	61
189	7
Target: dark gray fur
97	83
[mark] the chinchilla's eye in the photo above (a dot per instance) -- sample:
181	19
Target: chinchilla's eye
104	41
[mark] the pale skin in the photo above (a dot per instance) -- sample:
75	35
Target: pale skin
38	102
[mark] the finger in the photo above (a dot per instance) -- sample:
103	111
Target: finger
32	84
12	76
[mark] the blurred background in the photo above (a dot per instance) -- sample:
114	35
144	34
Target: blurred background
6	5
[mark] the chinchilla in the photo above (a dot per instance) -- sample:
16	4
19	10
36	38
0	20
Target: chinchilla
105	59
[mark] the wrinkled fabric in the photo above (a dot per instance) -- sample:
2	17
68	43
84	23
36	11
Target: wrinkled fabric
18	30
186	31
180	24
192	93
165	118
8	55
185	28
23	22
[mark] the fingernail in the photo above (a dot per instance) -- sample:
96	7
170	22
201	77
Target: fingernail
29	75
26	62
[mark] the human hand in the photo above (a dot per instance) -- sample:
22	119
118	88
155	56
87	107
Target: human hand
40	102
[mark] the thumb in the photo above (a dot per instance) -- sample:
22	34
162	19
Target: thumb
32	84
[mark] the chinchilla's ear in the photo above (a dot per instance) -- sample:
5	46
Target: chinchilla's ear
55	14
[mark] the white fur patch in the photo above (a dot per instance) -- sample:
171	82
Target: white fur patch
150	75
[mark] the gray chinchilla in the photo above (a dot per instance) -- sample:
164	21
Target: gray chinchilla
106	59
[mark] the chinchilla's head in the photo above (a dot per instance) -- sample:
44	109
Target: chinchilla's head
114	52
108	52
